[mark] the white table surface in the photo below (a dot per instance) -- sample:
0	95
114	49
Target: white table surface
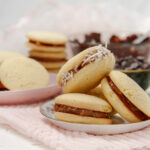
10	140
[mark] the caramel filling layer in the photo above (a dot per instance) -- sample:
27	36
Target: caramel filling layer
80	111
2	87
138	113
46	44
48	59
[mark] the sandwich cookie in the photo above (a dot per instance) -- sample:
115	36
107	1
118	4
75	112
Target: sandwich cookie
22	73
82	108
39	47
85	70
126	96
46	41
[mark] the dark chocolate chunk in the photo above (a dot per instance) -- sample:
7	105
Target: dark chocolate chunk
132	63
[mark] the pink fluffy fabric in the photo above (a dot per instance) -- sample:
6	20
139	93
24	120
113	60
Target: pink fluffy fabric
27	120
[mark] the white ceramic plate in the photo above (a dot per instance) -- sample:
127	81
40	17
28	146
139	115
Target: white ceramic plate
119	124
32	95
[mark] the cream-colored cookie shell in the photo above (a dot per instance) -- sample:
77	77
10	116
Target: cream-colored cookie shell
89	76
8	54
43	48
116	103
52	64
47	37
80	119
132	91
98	92
47	55
23	73
84	101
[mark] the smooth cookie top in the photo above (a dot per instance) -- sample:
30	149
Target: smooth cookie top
84	101
23	73
131	90
47	37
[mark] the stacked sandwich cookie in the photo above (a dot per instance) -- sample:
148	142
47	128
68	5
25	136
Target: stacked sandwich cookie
48	48
94	93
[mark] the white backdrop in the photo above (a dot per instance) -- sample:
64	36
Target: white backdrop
12	10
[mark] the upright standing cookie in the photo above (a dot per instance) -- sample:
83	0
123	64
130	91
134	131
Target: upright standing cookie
126	96
85	70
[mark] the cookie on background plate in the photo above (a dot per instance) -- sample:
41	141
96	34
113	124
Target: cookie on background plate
85	70
82	108
22	73
42	48
126	96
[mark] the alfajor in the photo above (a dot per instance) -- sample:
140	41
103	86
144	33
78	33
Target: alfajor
22	73
126	96
85	70
49	39
82	108
48	48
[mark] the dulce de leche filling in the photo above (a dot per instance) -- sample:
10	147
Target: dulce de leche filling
79	111
139	114
2	87
46	44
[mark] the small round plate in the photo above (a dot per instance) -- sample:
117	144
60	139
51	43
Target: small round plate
32	95
119	124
